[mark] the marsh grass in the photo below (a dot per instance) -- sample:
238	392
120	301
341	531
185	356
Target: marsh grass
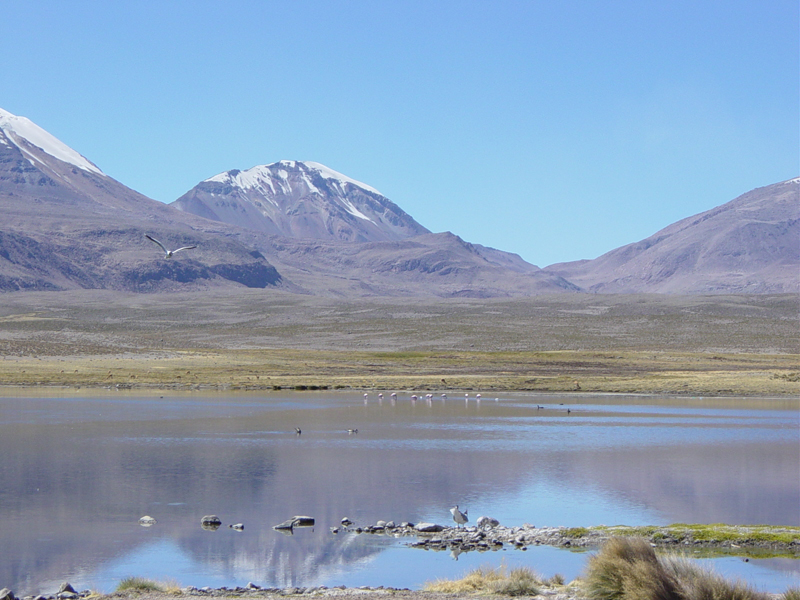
514	582
629	569
142	584
723	537
273	369
139	583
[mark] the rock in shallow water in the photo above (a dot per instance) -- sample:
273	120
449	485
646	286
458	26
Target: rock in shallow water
428	527
486	522
211	522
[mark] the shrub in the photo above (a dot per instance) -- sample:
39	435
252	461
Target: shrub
628	569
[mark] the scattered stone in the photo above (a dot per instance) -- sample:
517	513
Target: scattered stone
211	522
147	521
487	522
237	527
286	525
428	527
66	587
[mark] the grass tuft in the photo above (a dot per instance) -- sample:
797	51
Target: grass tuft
516	582
140	584
792	593
629	569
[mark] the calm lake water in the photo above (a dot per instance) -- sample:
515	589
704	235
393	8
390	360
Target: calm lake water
78	471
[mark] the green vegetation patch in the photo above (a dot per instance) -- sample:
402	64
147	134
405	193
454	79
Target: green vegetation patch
720	532
758	541
576	532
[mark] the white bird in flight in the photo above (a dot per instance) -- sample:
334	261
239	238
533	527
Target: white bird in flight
168	253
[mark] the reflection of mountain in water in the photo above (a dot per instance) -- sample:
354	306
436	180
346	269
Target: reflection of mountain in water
72	493
752	484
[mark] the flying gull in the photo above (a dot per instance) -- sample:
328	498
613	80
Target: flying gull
167	253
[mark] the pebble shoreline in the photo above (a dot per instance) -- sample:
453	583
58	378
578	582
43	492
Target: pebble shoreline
465	539
431	536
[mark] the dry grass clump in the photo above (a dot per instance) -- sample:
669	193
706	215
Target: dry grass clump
628	569
793	593
139	583
519	581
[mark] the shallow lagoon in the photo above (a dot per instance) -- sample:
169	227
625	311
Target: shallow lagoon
79	470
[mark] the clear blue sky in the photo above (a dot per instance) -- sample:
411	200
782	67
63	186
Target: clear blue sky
556	130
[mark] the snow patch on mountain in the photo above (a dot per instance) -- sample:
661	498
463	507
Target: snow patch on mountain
329	173
259	176
20	127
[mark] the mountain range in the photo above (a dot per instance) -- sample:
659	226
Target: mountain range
303	227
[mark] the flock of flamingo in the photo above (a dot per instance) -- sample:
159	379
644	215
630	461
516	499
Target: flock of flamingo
415	397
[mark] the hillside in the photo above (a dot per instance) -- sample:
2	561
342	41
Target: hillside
748	245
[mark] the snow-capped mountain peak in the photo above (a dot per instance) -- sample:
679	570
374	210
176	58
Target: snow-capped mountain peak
263	174
16	128
300	199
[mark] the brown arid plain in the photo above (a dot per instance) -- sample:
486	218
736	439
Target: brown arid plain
742	345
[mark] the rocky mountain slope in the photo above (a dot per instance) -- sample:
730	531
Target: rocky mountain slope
433	264
65	225
308	229
748	245
300	200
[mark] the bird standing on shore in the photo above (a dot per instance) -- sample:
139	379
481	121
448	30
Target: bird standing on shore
459	517
168	253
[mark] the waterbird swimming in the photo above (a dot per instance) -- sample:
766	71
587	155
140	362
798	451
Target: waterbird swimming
459	517
168	253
